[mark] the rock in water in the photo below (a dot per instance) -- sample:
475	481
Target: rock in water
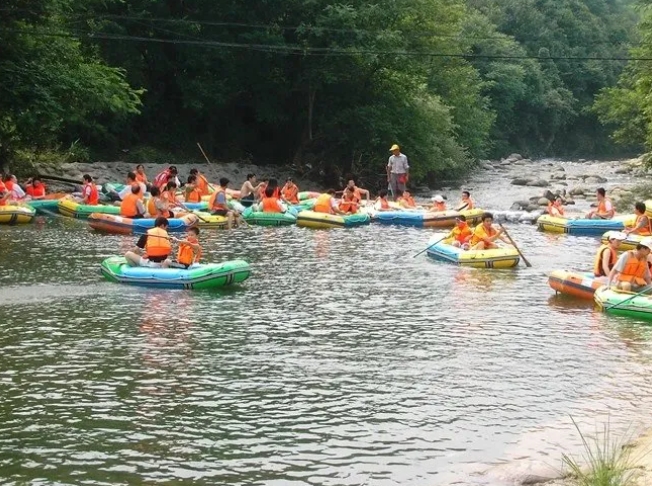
595	179
577	191
515	157
543	201
558	176
623	170
538	183
520	181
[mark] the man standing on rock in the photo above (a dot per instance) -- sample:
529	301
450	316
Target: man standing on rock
397	170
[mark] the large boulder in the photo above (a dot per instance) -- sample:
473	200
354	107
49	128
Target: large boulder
543	201
521	181
538	183
486	165
577	191
515	157
595	179
558	176
624	170
519	205
548	194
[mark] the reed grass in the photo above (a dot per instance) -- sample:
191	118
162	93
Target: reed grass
605	461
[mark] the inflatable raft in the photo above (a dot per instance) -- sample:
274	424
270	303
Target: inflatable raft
640	307
498	258
311	219
109	223
580	285
197	277
16	214
268	219
210	221
73	209
47	205
584	227
304	195
628	244
425	219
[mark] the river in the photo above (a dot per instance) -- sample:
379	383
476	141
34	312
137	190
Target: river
341	361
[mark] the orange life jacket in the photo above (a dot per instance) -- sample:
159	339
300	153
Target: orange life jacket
271	205
480	233
153	211
202	186
170	197
94	196
186	254
39	191
646	230
141	177
323	204
291	193
602	206
129	206
350	204
158	243
462	233
213	205
194	195
439	206
634	271
597	264
3	199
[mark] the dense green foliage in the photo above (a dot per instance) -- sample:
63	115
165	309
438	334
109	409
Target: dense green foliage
311	81
626	106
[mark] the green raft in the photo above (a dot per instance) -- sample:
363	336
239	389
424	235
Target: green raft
639	307
44	206
197	277
268	219
73	209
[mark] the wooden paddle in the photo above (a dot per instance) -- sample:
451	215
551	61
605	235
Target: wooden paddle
645	290
438	241
209	163
527	264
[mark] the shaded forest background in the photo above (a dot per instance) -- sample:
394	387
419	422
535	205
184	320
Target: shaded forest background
330	84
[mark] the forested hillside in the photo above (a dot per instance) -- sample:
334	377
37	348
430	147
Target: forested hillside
296	81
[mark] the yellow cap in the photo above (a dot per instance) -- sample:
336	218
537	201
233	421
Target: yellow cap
394	147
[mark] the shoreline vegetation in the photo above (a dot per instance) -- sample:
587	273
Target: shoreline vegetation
323	85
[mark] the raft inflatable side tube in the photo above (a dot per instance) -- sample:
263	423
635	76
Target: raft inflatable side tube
639	307
312	219
109	223
580	285
73	209
583	227
496	258
12	215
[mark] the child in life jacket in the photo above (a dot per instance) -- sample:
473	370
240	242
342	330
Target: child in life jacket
189	249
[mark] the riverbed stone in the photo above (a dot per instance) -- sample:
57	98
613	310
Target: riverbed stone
623	170
538	183
543	201
577	191
558	176
521	181
519	205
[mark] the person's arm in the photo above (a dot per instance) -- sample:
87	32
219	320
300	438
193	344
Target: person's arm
221	199
647	277
610	210
140	245
407	168
125	190
364	192
605	262
389	168
140	207
618	268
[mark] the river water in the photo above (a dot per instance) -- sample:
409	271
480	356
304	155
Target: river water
341	361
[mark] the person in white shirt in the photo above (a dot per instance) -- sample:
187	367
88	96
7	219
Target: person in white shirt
131	181
397	170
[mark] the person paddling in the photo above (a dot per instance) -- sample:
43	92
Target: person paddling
485	235
461	234
189	249
642	225
607	255
467	203
153	248
158	206
631	272
218	204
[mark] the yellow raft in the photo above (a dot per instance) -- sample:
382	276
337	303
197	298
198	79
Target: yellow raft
210	221
497	258
582	226
312	219
16	214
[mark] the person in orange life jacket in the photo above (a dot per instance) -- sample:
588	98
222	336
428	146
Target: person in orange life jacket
381	202
248	191
4	194
152	248
270	203
260	192
218	204
605	209
556	208
631	271
607	255
467	203
35	188
485	234
189	249
438	204
170	195
132	205
191	191
350	202
157	205
461	234
273	183
290	192
327	204
90	194
359	192
642	225
11	183
162	178
202	183
405	199
141	176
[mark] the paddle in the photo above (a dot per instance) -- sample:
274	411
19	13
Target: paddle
645	289
209	163
463	207
423	251
527	264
